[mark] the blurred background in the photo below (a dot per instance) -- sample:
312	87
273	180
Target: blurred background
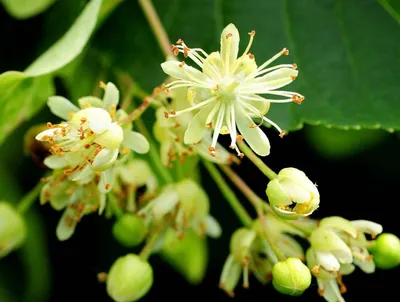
356	170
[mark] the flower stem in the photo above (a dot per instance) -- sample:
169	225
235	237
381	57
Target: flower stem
257	161
158	29
135	114
28	200
118	212
230	196
146	251
162	170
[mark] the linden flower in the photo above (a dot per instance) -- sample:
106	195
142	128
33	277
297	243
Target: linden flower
90	139
226	91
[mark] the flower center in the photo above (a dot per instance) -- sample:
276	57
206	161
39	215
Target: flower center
226	90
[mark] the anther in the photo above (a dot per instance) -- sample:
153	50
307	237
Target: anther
70	115
285	51
297	99
173	112
252	33
251	56
209	125
87	146
211	149
166	114
177	124
293	77
186	52
49	125
294	66
239	137
228	35
83	120
102	85
315	270
181	64
232	147
241	155
107	186
174	49
180	41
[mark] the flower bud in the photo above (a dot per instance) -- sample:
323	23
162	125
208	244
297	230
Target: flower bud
291	277
187	255
129	278
129	230
240	244
12	229
292	195
386	251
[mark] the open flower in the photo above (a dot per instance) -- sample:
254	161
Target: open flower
91	138
227	91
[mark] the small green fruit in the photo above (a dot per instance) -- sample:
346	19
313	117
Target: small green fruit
129	279
129	230
386	251
291	277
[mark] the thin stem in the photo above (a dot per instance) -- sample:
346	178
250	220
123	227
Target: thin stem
146	251
162	170
158	29
135	114
113	202
28	200
230	196
257	161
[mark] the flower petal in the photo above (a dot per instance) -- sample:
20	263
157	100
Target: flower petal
330	290
328	261
255	137
366	226
99	120
213	66
105	159
102	203
55	162
111	96
229	45
90	101
136	141
197	127
213	228
271	81
183	72
83	174
106	181
61	107
66	226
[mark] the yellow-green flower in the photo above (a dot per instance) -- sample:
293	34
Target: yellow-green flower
227	89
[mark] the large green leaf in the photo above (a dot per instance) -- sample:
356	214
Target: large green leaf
347	51
22	94
24	9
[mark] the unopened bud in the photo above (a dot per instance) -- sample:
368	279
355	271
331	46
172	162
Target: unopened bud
386	251
129	230
12	229
291	277
129	279
292	195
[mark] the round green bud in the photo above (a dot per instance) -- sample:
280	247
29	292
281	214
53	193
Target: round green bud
291	277
386	251
129	279
12	228
129	230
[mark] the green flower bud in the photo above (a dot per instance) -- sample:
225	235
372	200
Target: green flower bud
386	251
291	277
292	195
12	229
130	230
187	255
240	245
129	279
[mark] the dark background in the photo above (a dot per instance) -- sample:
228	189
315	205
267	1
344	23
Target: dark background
363	185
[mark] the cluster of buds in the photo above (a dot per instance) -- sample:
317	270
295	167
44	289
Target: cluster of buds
337	245
186	204
85	149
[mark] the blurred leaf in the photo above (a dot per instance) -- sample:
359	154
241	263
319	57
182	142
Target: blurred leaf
22	94
24	9
348	67
188	255
337	143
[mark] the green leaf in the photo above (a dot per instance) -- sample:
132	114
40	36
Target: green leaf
24	9
22	94
347	67
338	144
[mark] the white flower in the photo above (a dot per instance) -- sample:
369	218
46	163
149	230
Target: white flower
90	139
226	91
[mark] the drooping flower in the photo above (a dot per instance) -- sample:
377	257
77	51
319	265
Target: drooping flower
227	91
92	136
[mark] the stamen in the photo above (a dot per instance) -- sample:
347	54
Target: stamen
297	99
102	85
251	34
189	109
218	125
